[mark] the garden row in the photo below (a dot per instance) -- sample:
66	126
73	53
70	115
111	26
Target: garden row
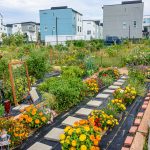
86	134
59	94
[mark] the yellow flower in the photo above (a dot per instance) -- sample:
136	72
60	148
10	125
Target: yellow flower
67	128
83	147
78	130
87	128
109	122
62	137
67	141
70	131
43	119
82	137
62	142
74	143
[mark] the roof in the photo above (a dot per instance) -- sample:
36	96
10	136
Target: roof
62	7
9	25
127	2
96	21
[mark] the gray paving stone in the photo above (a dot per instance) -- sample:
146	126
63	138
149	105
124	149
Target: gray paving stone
40	146
94	103
118	83
113	87
124	77
70	121
84	111
109	91
20	107
103	96
54	134
121	80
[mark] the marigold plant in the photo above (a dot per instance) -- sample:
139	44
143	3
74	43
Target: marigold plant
100	119
33	117
17	130
82	135
128	94
92	86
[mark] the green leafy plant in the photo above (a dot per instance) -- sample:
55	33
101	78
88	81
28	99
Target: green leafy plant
73	71
1	110
68	91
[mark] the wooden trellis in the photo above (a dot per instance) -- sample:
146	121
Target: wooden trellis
10	65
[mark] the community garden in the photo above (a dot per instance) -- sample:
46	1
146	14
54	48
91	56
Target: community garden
66	78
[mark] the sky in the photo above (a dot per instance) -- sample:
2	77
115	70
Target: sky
15	11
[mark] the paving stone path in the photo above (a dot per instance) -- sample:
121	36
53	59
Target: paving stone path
51	139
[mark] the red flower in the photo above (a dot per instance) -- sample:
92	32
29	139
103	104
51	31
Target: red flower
104	75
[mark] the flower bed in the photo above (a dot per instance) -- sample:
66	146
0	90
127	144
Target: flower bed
84	132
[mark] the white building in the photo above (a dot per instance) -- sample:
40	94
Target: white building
30	29
2	27
146	25
123	20
92	29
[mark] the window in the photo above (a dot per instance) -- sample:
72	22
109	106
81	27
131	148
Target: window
45	28
15	25
134	24
124	25
80	29
89	32
89	23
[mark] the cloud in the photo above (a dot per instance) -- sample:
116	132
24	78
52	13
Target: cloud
28	10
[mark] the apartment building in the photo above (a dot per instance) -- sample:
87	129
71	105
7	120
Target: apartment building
123	20
60	24
92	29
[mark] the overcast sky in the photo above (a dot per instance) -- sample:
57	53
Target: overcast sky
28	10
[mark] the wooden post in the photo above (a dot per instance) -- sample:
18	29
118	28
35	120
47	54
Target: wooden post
12	79
12	84
51	56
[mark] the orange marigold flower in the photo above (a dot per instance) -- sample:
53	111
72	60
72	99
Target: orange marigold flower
98	137
92	138
92	148
96	142
33	113
40	114
37	121
29	119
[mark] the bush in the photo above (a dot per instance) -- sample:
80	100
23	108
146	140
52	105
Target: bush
68	91
73	71
37	65
107	80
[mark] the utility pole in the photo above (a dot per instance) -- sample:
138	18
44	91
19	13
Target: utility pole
56	30
129	32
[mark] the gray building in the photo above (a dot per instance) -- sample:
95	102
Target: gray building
123	20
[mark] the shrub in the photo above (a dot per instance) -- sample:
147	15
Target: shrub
37	65
73	71
68	91
107	80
